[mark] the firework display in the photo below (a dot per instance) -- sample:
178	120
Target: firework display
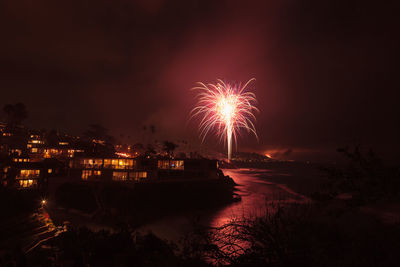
225	109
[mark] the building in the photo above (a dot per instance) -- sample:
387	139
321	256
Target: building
142	169
25	174
39	149
12	141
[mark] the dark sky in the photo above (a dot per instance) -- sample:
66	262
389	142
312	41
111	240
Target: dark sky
326	70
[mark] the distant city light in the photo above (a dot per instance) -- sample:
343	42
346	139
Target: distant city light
226	108
124	155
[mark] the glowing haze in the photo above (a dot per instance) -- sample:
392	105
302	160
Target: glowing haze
225	109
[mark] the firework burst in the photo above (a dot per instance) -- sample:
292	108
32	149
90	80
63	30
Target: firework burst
225	109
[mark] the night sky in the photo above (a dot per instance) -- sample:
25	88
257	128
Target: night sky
327	71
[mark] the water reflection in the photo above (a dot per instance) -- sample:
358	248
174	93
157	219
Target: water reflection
256	189
257	192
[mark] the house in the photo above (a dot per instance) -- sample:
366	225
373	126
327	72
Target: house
117	169
142	169
25	174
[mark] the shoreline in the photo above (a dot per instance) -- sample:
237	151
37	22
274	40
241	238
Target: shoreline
139	205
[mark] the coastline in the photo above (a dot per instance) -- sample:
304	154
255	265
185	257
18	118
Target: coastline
117	204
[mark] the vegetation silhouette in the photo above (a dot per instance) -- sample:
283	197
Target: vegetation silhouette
169	147
98	141
364	176
15	114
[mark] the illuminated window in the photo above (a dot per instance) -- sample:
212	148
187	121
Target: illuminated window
114	163
71	153
29	174
49	171
130	164
46	153
86	174
163	164
27	183
171	164
98	163
119	163
122	164
16	151
137	175
90	173
107	163
86	163
177	164
120	176
92	163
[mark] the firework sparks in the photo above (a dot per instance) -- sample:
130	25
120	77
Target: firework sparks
226	109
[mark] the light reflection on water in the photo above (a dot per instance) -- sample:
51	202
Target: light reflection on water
256	192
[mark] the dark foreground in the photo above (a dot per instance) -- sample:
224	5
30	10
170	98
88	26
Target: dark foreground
328	230
114	204
306	235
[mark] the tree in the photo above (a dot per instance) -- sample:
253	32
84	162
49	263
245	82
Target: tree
150	150
15	114
138	148
100	142
52	138
169	147
99	132
152	129
8	109
96	131
182	155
